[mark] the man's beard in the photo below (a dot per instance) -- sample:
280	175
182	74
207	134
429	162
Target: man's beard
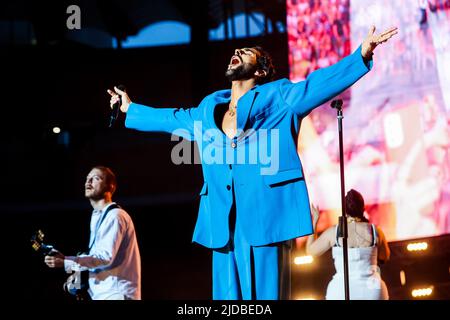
96	195
243	72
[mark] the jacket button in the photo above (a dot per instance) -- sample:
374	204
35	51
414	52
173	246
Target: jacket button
233	145
228	187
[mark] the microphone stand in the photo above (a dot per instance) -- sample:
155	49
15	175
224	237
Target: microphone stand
343	230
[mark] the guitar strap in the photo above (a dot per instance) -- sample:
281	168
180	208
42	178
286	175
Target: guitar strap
99	223
78	284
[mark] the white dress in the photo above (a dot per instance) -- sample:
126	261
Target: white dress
365	281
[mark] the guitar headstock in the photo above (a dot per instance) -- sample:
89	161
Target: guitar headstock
37	243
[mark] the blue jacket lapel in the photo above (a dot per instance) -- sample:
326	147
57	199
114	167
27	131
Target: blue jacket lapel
245	104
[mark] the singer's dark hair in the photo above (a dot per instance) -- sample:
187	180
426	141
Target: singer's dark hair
264	62
354	205
110	177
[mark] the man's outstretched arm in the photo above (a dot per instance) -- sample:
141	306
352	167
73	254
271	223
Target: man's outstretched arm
144	118
324	84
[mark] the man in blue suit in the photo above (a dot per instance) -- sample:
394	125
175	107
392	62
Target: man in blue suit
252	205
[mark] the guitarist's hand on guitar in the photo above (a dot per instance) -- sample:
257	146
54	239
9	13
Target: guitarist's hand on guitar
55	259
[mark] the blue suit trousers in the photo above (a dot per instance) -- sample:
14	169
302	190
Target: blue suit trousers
245	272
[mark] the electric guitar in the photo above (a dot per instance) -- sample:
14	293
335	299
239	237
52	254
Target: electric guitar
37	243
77	283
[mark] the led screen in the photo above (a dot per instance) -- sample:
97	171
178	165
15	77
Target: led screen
396	118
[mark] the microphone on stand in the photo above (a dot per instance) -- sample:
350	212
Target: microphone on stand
336	104
343	232
116	107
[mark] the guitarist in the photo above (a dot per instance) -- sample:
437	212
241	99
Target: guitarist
113	258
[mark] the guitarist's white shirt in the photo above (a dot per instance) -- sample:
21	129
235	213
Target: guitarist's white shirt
114	261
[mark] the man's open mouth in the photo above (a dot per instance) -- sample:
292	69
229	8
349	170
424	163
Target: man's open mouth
235	60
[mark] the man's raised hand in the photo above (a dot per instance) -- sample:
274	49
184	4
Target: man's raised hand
116	95
372	41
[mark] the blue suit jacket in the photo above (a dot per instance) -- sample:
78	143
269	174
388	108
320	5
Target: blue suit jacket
271	199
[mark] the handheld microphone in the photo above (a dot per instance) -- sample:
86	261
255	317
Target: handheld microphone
116	107
336	104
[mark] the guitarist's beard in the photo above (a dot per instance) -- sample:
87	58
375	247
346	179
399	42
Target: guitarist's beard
94	195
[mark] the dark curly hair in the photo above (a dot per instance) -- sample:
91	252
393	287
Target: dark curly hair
354	205
264	62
